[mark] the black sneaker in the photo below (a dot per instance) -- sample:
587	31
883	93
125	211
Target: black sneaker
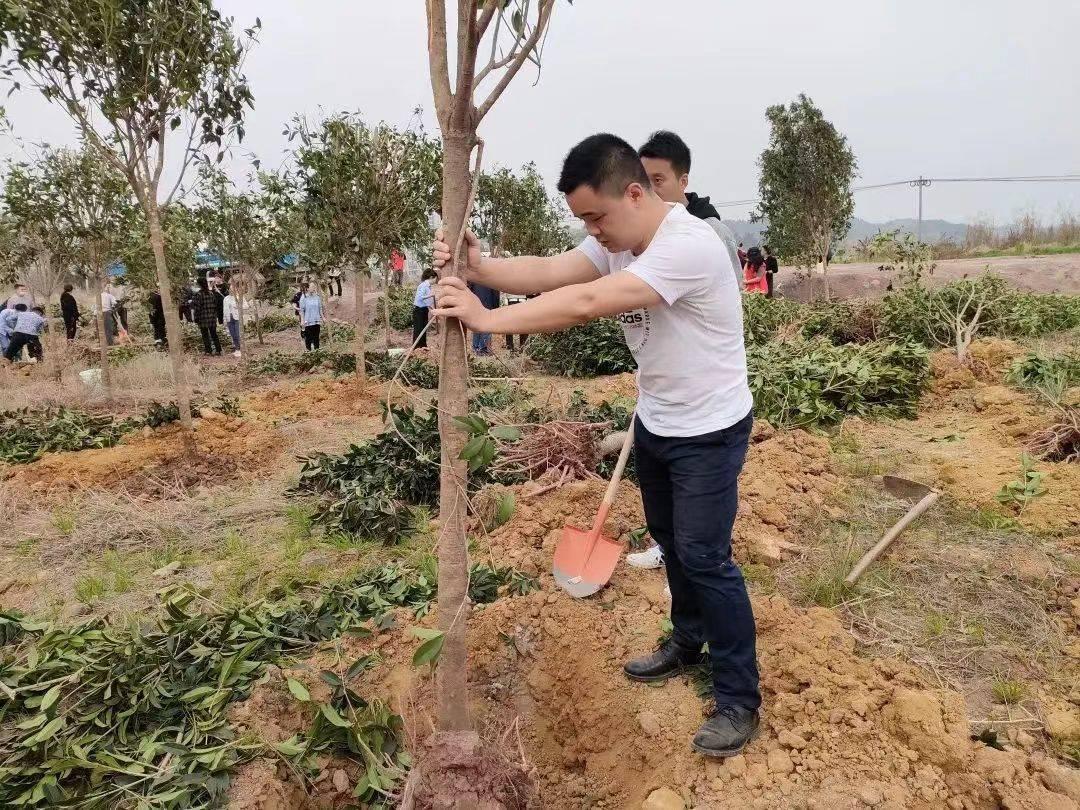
728	731
667	661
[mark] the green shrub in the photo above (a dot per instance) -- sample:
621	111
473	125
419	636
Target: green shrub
401	307
278	363
27	434
813	382
271	322
1047	372
417	371
366	490
589	350
763	317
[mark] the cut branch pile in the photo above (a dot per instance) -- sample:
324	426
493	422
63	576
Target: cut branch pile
566	450
1060	441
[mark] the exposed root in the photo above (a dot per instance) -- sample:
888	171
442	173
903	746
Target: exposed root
1060	441
568	448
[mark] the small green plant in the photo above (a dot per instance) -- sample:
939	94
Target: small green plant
63	520
936	624
986	517
826	586
1020	493
1007	691
89	588
229	406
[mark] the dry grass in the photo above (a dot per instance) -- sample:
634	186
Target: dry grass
136	383
964	601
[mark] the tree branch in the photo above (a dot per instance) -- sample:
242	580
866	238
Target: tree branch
437	59
542	20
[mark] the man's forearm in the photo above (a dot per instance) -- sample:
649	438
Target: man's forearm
518	275
552	311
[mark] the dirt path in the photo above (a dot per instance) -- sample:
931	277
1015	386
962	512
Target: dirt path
1036	273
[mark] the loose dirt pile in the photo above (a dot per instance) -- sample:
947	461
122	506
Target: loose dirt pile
838	730
318	398
155	461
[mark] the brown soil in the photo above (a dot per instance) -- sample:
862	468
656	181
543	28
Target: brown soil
969	437
838	730
153	461
318	398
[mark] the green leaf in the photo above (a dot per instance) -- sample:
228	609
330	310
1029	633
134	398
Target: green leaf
46	733
331	714
430	647
506	433
50	698
291	747
298	690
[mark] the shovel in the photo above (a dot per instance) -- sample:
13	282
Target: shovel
908	490
584	560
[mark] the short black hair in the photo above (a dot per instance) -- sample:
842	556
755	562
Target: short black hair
20	307
68	288
766	248
203	284
429	273
40	309
604	163
666	145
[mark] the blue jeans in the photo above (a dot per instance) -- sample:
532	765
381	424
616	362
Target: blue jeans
234	334
689	487
481	342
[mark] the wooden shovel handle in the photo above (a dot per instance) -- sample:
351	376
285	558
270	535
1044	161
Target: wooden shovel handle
860	567
616	477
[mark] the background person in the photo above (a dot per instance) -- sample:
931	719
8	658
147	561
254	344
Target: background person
8	316
108	313
422	303
22	296
157	319
231	313
481	341
27	333
310	307
755	271
666	158
69	311
206	316
772	266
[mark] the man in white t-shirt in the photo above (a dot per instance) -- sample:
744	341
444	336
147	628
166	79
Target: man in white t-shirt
667	278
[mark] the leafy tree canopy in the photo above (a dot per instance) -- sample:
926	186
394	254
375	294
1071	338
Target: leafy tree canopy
516	215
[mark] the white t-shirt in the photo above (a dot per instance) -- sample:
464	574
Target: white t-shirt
108	301
689	349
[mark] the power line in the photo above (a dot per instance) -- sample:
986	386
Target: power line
1034	178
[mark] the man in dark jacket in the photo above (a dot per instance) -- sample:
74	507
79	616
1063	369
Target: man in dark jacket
69	310
157	320
771	267
206	316
666	159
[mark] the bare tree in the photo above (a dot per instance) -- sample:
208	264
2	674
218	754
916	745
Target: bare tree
509	33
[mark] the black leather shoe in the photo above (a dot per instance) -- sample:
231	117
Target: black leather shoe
727	731
667	661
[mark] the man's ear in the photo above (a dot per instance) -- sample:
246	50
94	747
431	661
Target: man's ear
636	192
684	181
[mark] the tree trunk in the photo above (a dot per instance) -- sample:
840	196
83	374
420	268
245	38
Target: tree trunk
386	310
239	295
258	318
358	294
453	607
103	346
172	319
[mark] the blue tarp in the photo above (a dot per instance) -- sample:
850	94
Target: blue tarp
116	269
207	260
290	261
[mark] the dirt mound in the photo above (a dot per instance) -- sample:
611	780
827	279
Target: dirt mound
318	398
838	730
153	461
970	445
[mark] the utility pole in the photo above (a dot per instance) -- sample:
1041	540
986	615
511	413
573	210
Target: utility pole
920	183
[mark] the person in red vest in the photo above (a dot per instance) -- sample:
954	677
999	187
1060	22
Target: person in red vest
754	272
397	268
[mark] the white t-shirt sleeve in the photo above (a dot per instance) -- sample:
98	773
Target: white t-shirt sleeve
597	254
673	267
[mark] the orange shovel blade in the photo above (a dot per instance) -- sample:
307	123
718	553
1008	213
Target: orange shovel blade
579	571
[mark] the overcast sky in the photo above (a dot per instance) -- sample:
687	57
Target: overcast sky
942	88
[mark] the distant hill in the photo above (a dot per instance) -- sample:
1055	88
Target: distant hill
933	230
